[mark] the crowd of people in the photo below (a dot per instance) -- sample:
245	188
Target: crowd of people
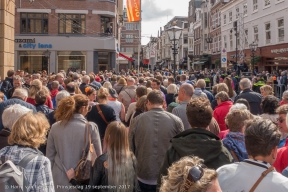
145	131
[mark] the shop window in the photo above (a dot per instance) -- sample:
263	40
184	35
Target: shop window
71	60
32	61
34	23
106	25
256	33
72	23
281	29
268	33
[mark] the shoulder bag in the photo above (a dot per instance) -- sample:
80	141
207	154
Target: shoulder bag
270	169
101	114
84	166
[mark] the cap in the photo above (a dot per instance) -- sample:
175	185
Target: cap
113	93
97	79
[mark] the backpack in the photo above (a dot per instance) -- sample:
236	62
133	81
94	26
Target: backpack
12	177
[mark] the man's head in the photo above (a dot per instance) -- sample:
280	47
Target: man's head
40	97
171	80
199	112
60	78
70	87
237	118
156	84
185	92
85	79
60	95
20	93
12	114
282	122
154	99
36	76
245	83
183	77
130	81
27	79
10	73
55	85
141	91
17	81
201	84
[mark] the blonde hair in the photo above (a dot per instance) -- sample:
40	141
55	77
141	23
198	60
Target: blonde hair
107	85
172	88
102	94
36	85
178	173
29	130
122	81
121	161
237	118
222	87
267	89
46	91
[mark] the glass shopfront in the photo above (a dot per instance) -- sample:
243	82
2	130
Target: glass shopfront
103	61
71	60
33	61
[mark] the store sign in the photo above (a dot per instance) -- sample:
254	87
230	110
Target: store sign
279	51
31	44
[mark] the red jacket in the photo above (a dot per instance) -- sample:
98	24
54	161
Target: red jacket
281	161
220	113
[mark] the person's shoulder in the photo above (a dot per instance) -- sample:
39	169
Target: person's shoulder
225	169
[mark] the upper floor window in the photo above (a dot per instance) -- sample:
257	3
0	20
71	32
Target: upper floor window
267	2
106	26
224	19
246	37
281	29
237	12
129	38
230	16
255	5
268	32
129	26
245	9
72	23
34	23
256	33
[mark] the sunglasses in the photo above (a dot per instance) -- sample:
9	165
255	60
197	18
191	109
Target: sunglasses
280	120
194	175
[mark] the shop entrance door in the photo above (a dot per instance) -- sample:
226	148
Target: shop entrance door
102	67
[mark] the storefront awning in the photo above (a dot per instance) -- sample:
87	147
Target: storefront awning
126	57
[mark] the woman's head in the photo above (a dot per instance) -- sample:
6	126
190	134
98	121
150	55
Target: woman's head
141	104
178	174
262	137
29	130
103	94
91	93
237	118
36	85
266	90
245	102
228	82
221	97
149	84
285	96
222	87
270	104
107	85
68	106
172	89
122	81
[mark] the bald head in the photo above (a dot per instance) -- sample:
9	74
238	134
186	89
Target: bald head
187	89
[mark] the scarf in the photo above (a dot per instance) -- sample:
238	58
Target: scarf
234	141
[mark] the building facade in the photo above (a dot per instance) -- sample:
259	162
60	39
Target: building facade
78	36
265	23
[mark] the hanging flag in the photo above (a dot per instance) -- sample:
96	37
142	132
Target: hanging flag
133	10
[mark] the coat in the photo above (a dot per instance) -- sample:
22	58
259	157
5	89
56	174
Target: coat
4	134
65	144
197	142
220	113
254	100
127	96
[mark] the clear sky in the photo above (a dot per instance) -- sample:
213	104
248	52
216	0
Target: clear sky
156	13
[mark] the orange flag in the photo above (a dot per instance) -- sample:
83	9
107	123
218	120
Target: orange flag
133	10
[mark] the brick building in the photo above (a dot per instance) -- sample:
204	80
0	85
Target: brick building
82	35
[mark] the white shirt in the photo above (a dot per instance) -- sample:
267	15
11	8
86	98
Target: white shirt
240	177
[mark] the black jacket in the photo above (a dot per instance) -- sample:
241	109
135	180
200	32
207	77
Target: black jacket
4	133
12	101
196	142
82	87
6	85
254	100
44	109
170	97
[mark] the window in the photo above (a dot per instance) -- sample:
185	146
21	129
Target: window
224	19
129	38
129	49
281	29
190	44
215	45
219	43
71	59
267	3
129	26
205	20
255	5
137	26
230	16
231	42
237	12
185	40
185	25
268	32
225	41
219	18
245	8
71	23
246	37
34	23
256	33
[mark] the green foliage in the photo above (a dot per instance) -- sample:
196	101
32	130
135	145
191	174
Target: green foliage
218	63
256	59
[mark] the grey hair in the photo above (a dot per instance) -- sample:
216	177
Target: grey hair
172	88
238	106
85	79
17	77
222	95
60	95
107	85
12	114
130	79
245	83
20	92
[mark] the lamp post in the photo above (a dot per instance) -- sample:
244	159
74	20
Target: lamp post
151	48
174	34
253	47
47	54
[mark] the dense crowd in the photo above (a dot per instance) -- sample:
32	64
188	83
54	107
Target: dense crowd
199	131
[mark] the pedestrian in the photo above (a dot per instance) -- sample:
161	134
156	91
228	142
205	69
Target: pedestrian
117	106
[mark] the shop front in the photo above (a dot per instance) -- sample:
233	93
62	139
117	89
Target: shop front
65	53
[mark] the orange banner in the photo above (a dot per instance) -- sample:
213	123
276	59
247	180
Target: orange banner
133	10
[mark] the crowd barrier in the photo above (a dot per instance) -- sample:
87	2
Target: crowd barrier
278	90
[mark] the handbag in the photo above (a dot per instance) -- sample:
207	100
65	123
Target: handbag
85	164
101	114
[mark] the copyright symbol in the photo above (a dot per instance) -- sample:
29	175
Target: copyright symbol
6	187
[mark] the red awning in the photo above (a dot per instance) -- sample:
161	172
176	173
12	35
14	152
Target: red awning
126	57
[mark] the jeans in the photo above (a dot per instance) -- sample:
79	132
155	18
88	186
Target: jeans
146	188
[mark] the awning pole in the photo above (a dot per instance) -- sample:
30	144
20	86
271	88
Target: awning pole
139	45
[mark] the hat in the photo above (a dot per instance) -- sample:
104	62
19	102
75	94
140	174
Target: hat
113	93
97	79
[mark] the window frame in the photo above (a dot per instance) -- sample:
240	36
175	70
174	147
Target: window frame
281	38
255	5
33	18
64	20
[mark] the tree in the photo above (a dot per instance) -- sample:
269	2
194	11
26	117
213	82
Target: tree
217	63
256	59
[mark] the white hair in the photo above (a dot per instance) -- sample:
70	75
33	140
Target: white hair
245	83
85	79
20	92
12	114
107	85
172	88
60	95
240	106
165	82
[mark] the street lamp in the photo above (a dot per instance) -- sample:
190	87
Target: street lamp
47	54
253	47
209	40
174	34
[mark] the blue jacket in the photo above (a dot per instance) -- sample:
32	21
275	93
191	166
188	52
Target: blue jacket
209	95
12	101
